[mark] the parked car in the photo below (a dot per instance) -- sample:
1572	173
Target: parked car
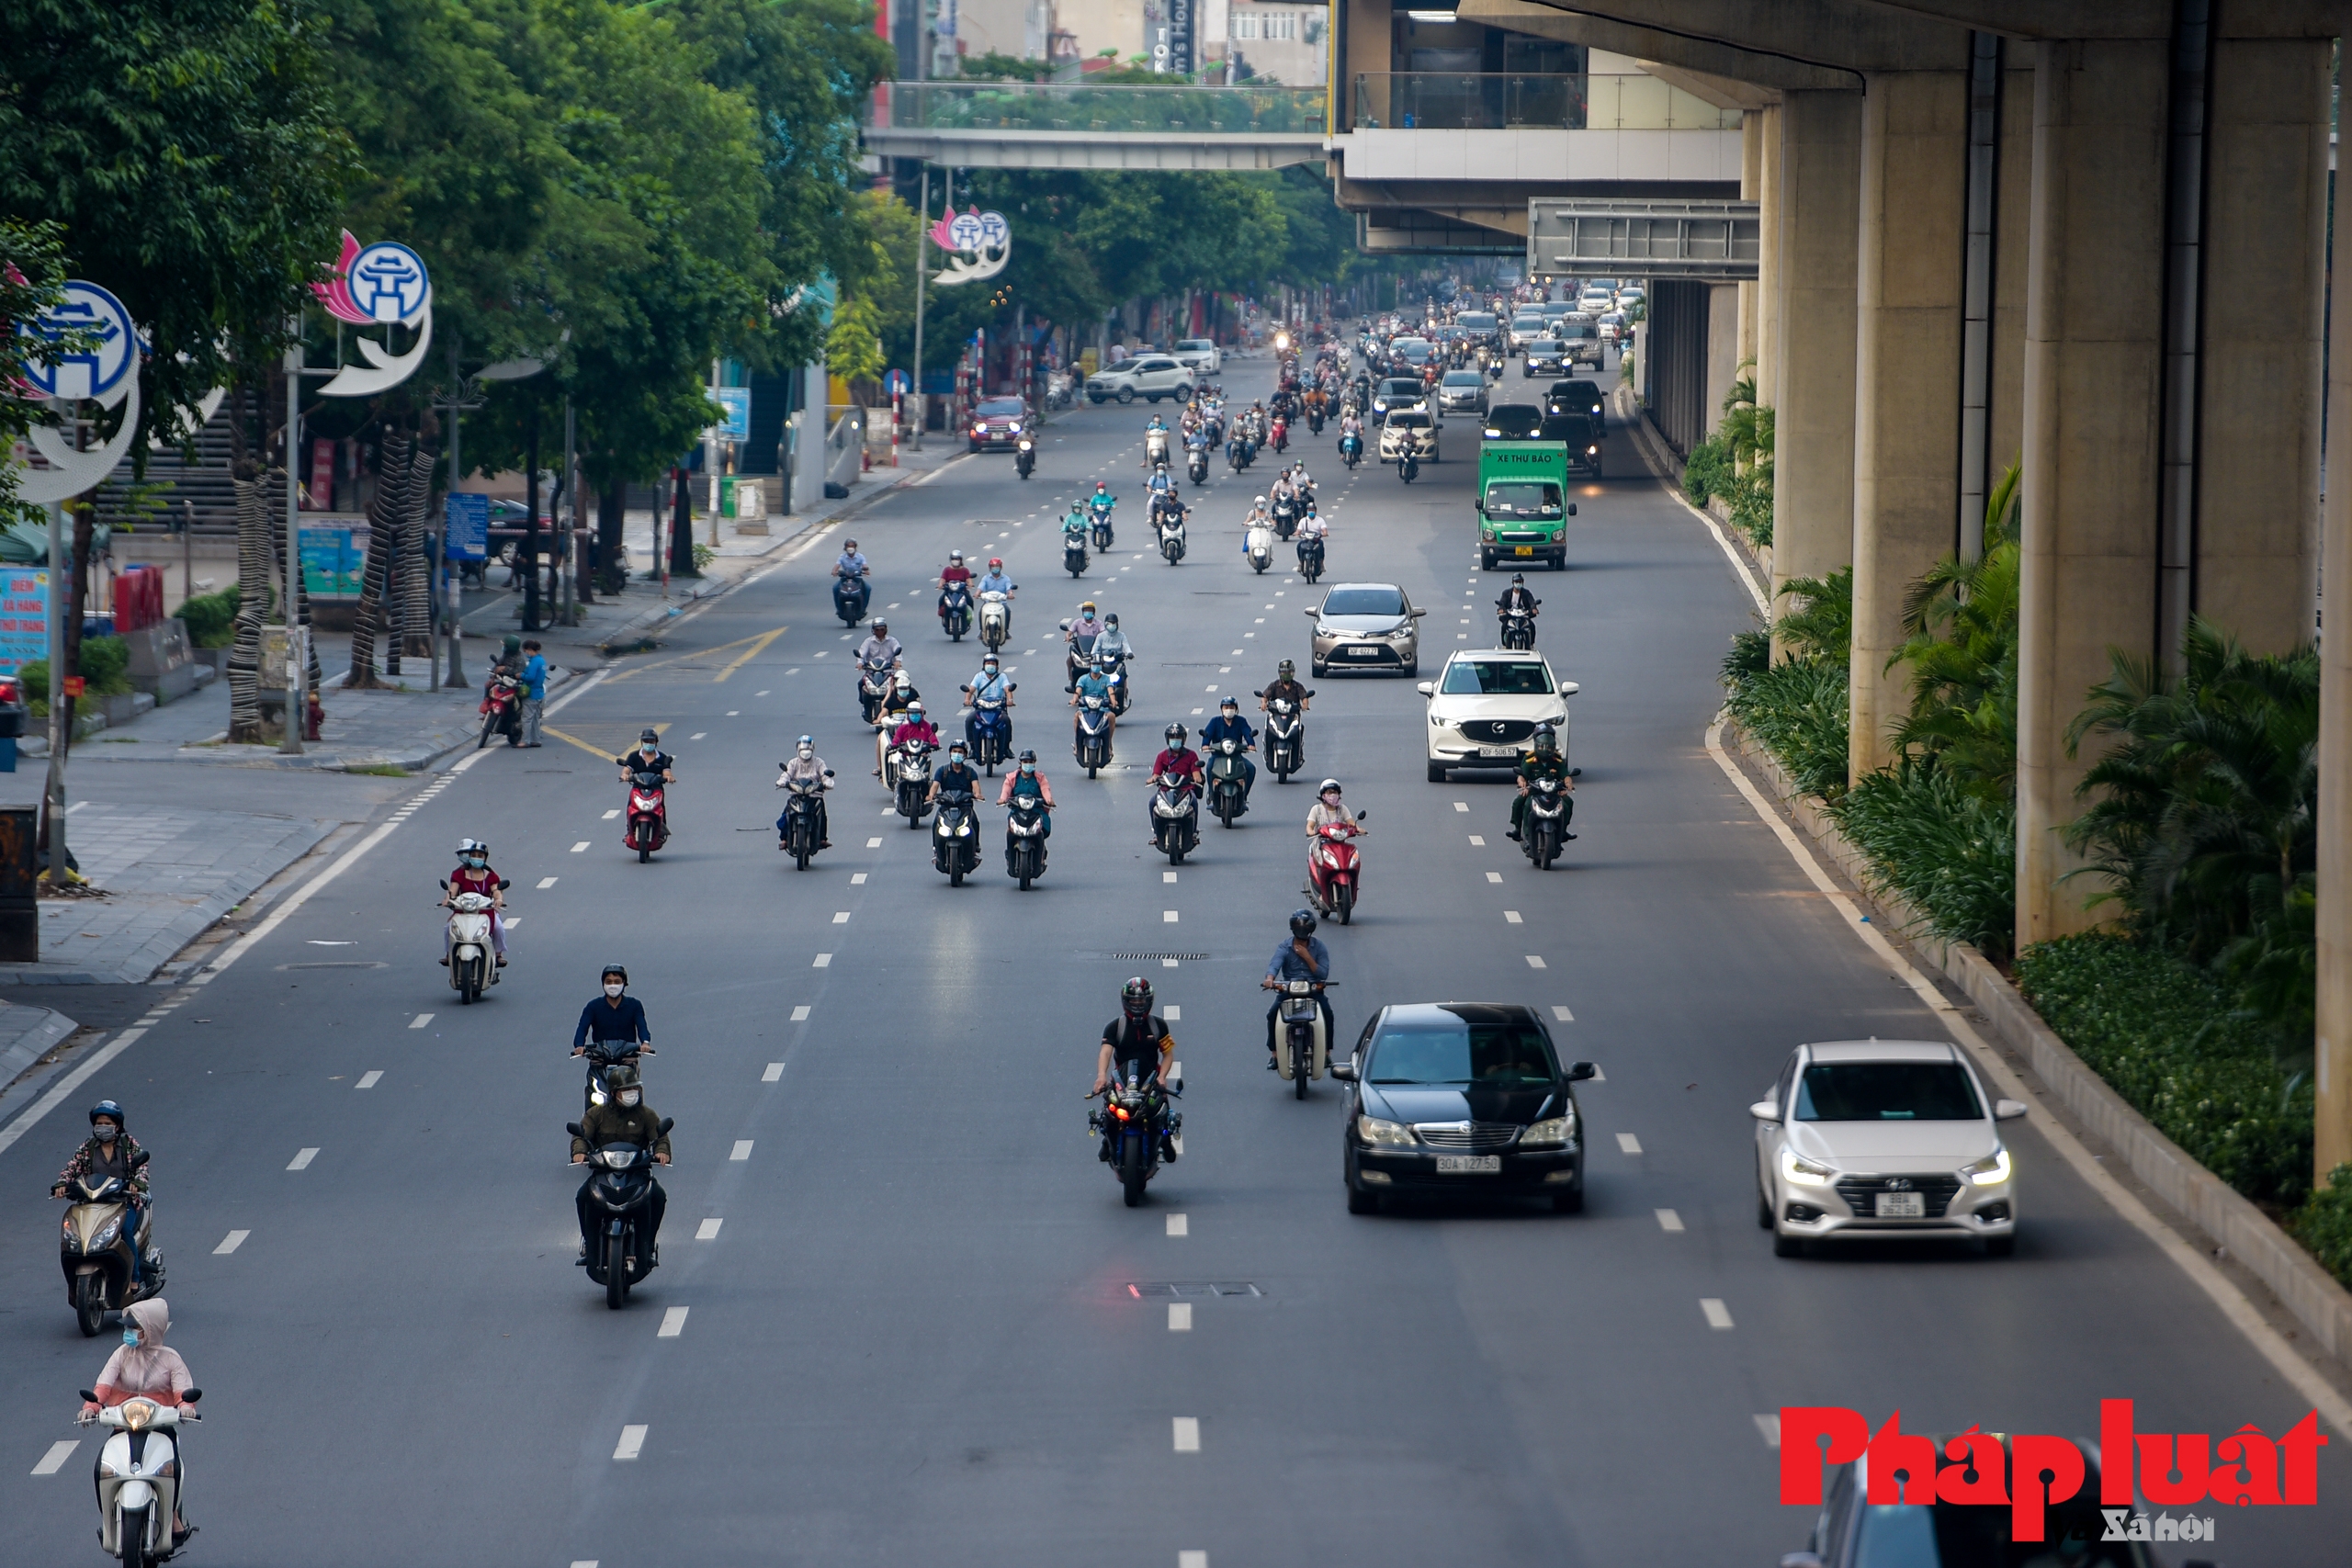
1363	626
1461	1098
1461	390
1882	1140
996	424
1485	704
1150	376
1199	354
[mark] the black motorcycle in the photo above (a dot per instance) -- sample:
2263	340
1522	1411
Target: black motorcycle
604	1054
851	595
803	799
911	777
622	1186
1310	558
1175	817
1024	457
1518	631
1074	554
1135	1124
1228	780
1285	742
955	611
1196	466
873	685
1408	465
954	848
1101	525
1285	511
1091	737
1024	839
1545	825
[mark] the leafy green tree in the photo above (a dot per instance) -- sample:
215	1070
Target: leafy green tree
32	277
1961	625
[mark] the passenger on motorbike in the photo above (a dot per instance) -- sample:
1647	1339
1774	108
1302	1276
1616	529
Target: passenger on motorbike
953	575
143	1367
473	875
1544	762
914	725
622	1118
1027	781
1113	644
805	767
107	1152
1304	957
1228	724
1081	637
1180	760
614	1016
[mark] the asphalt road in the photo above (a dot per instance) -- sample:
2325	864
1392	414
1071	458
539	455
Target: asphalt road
910	1335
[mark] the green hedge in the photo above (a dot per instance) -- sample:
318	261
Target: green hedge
106	672
211	619
2324	1224
1798	710
2163	1036
1952	855
1708	472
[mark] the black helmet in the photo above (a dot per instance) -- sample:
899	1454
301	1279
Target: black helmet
621	1075
1519	579
107	1108
1302	922
1175	735
1135	997
648	738
1028	754
610	970
1287	668
1229	701
1546	739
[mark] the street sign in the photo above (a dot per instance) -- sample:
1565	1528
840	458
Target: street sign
737	402
24	618
468	521
100	373
897	384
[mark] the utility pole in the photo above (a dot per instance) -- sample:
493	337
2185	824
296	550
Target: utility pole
60	600
922	271
570	557
297	660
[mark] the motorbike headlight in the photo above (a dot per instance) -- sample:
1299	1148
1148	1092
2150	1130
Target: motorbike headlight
107	1234
1802	1172
1990	1171
137	1413
1553	1132
618	1159
1387	1134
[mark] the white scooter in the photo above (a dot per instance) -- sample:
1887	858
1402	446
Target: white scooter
996	619
1258	543
1171	536
1154	448
473	963
139	1477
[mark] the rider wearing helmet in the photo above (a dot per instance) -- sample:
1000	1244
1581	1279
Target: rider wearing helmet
649	758
615	1015
914	725
621	1117
1179	759
881	648
1025	780
1517	597
1228	724
473	875
1304	957
995	581
1095	681
953	575
806	767
1136	1037
957	778
109	1151
1326	808
1080	636
1545	761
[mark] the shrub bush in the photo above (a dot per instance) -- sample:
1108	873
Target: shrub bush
1708	472
1798	711
2162	1033
2324	1224
1950	852
211	619
106	672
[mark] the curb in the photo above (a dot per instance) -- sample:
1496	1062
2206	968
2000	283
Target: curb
2227	1219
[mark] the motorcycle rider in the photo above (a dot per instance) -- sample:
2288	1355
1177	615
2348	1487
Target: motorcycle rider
914	725
1516	598
901	700
623	1118
1311	530
1139	1038
957	778
989	685
107	1152
649	758
1256	517
1096	683
1180	760
1113	649
995	581
473	875
850	564
1229	724
880	648
1026	780
615	1015
805	767
951	576
143	1367
1101	499
1544	762
1284	687
1081	637
1304	957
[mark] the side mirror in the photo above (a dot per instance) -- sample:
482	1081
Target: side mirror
139	1159
574	1128
191	1396
1572	509
1063	625
444	885
1576	773
88	1398
1569	688
1766	1110
1418	614
1580	1071
1177	1083
1310	610
1427	688
829	772
2008	1110
1344	1071
667	1123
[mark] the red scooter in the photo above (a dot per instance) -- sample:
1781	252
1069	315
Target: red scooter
1281	441
502	710
649	815
1333	866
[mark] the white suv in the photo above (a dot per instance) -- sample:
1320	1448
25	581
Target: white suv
1150	376
1200	354
1485	705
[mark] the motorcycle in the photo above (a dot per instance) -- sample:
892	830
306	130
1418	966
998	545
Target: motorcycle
996	618
956	612
803	798
1074	552
851	595
1117	675
1134	1120
1285	513
1024	839
1408	465
1517	631
1239	452
1091	739
988	732
954	850
472	964
1175	817
873	685
1060	389
622	1186
1351	448
1285	742
1315	419
1024	457
1101	517
1310	557
910	774
1281	436
1305	1050
604	1054
1258	545
138	1477
1196	463
649	815
1228	782
502	709
95	1255
1171	536
1154	448
1332	866
1544	827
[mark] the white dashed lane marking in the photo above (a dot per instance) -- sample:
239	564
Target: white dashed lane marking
1494	876
1668	1219
1564	1015
1177	1224
709	1230
368	1080
1534	962
673	1323
632	1443
54	1459
1718	1314
774	1072
824	960
420	1020
301	1161
1179	1317
743	1150
546	882
800	1014
230	1243
582	847
1188	1434
1628	1144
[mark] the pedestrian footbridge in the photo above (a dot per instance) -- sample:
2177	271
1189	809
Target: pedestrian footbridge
1025	125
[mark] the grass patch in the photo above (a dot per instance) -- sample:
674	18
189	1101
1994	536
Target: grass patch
382	770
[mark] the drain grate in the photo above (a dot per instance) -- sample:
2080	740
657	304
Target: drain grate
1186	1290
1160	957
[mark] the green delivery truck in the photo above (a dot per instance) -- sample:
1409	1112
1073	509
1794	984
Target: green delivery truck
1523	502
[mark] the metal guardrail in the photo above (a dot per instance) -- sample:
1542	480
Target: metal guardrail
1445	101
1106	110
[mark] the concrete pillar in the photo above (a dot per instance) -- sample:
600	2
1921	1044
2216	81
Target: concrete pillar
2258	435
2332	1142
1751	188
1723	350
1769	321
1906	391
2094	351
1814	221
2012	204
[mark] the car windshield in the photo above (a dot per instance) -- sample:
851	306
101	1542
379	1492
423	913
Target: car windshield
1193	343
1372	600
1400	385
1464	378
1409	419
1887	1092
1515	421
1960	1535
1528	319
1576	395
1496	677
1578	330
1478	321
1456	1050
1523	499
1574	428
1000	408
1544	345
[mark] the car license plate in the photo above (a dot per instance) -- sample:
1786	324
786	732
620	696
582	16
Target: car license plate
1469	1165
1363	653
1902	1206
1522	549
1499	750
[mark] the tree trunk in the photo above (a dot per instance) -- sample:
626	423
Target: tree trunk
682	525
77	607
385	509
253	599
416	590
291	568
612	515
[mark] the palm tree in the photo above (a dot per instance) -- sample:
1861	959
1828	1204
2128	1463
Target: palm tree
1960	621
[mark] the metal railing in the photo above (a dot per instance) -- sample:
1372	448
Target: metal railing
1445	101
1115	110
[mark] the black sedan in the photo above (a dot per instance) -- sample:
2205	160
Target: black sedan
1461	1098
1575	395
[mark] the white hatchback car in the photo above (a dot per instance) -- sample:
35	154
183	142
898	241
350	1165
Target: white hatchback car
1485	705
1883	1139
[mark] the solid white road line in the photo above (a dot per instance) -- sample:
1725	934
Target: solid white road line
230	1243
72	1081
1718	1314
54	1459
546	882
1188	1434
743	1150
420	1020
709	1230
800	1014
1178	1224
1668	1219
673	1323
632	1443
1179	1317
369	1080
1628	1144
301	1161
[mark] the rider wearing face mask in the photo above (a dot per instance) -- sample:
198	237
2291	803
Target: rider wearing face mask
623	1118
143	1367
1026	780
616	1015
473	875
107	1152
805	767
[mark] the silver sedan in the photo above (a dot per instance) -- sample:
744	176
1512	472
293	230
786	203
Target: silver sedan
1366	626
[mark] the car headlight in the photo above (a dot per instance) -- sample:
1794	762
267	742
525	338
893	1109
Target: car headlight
1802	1172
1592	451
1990	1171
1388	1135
1322	630
1560	1131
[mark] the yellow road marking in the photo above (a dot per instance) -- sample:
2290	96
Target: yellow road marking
758	646
595	750
698	653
